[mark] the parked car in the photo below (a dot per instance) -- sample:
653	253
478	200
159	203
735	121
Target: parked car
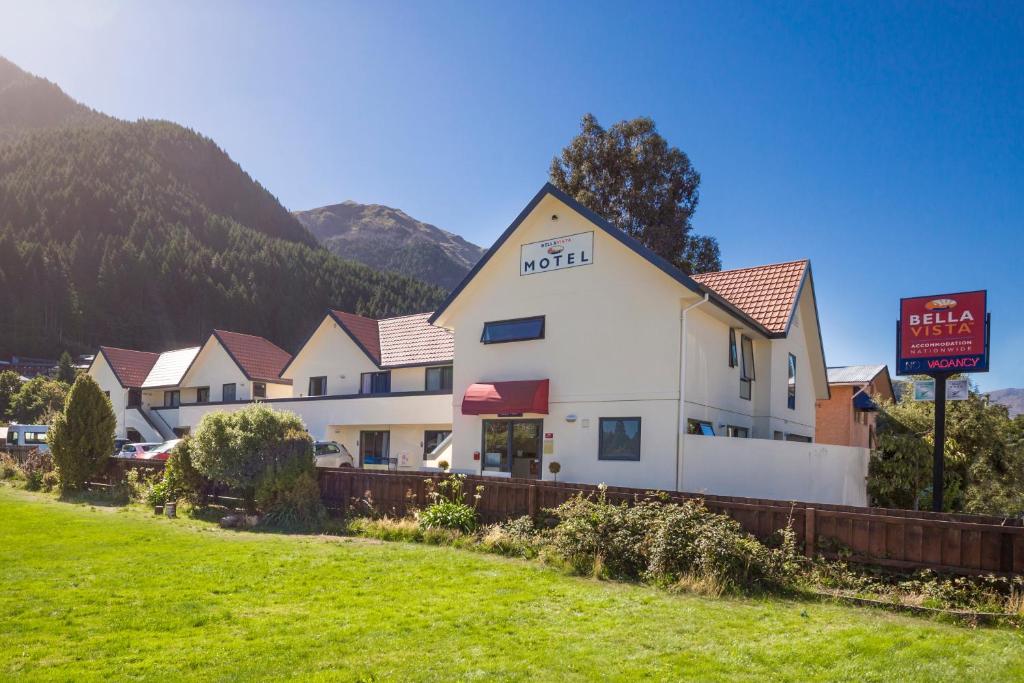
119	444
332	454
137	450
162	451
27	436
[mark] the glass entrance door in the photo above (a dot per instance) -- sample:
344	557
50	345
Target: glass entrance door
373	448
513	446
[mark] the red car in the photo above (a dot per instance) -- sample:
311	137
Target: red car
161	451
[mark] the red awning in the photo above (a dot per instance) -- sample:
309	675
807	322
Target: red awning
506	398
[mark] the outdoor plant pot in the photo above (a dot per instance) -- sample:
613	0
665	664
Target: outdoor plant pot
158	509
171	509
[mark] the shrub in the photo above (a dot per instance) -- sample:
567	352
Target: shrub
34	467
291	502
158	493
82	436
447	509
9	468
250	448
51	480
38	400
517	538
181	476
667	544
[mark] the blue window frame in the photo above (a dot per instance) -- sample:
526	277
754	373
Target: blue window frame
518	329
619	438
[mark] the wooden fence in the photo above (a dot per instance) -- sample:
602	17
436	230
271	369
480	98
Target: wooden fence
902	539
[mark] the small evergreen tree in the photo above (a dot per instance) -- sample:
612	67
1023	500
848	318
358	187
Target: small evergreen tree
66	370
82	436
10	383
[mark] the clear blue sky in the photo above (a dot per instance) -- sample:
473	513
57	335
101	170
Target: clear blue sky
885	141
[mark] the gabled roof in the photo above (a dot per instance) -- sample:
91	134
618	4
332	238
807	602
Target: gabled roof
259	359
767	294
403	341
854	374
861	375
130	367
170	367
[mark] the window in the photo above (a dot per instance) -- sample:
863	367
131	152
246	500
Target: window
733	357
519	329
800	438
317	386
738	432
373	448
228	392
791	386
432	438
513	446
134	398
259	389
203	395
746	366
12	438
172	399
34	438
439	379
701	427
619	438
375	382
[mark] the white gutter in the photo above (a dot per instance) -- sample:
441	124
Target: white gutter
681	408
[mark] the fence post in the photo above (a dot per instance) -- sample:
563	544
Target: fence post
809	532
531	500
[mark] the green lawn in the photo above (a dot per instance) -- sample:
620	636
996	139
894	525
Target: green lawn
103	594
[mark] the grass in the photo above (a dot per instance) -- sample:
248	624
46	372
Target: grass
92	593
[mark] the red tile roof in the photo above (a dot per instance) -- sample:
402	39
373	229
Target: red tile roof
259	359
765	293
364	330
130	367
404	340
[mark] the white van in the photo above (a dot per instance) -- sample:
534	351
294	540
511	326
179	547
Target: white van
27	436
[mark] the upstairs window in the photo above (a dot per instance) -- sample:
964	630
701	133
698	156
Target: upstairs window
317	386
203	395
439	379
259	389
228	392
733	354
700	427
172	399
519	329
746	366
791	386
375	382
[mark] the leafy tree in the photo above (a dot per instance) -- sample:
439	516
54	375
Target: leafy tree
631	176
38	400
252	449
10	383
984	457
82	436
66	371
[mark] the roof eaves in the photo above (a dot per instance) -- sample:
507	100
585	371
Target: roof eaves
549	189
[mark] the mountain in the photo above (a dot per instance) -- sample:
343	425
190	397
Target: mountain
1011	398
146	234
390	239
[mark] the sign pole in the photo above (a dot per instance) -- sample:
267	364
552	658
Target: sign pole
939	453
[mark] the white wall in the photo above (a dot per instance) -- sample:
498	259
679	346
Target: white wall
405	441
214	368
105	377
320	414
779	470
329	353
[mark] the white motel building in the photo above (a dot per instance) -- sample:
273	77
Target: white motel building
568	342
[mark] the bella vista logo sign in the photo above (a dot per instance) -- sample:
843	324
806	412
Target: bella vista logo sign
945	332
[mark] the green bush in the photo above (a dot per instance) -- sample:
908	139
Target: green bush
447	508
291	503
82	436
182	478
448	515
666	544
158	493
34	467
516	538
51	480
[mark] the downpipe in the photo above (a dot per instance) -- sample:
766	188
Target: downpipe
681	408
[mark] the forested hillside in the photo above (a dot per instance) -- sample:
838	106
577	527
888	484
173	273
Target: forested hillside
146	234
